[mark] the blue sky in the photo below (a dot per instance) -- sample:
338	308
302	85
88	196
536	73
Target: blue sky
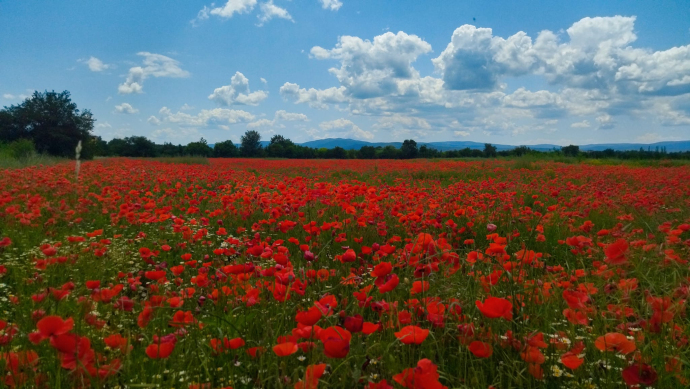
488	71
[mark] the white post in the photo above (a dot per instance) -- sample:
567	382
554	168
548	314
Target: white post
78	154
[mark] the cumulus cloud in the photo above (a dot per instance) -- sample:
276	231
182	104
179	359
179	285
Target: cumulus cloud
280	116
598	55
542	104
316	98
178	135
153	120
154	65
582	124
237	93
372	68
270	11
475	59
344	128
95	64
333	5
606	122
125	108
226	11
206	117
10	96
291	116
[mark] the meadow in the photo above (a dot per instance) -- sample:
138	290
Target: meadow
243	273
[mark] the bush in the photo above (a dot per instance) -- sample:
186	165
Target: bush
21	149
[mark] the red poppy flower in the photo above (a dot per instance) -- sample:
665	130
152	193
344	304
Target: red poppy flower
614	341
420	287
116	341
387	283
370	328
571	359
412	335
615	252
311	377
51	326
285	349
309	317
160	350
494	307
481	349
639	373
354	323
336	341
382	269
424	376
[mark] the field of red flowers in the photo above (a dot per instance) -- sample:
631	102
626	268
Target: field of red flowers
344	274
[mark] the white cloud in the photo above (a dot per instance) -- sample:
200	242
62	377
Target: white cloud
333	5
542	104
206	117
402	121
650	137
475	59
280	116
261	123
176	135
237	93
291	116
314	97
606	122
155	65
104	125
226	11
371	69
153	120
125	108
344	128
270	11
582	124
263	80
95	64
461	133
10	96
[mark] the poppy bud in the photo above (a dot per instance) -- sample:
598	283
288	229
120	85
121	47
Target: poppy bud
375	247
309	256
491	227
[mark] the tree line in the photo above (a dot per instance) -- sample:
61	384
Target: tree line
50	123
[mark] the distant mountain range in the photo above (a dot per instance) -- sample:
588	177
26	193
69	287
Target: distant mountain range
353	144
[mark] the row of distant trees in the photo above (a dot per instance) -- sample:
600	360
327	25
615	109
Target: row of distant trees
250	146
52	122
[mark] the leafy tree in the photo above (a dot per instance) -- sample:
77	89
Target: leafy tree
389	152
95	146
281	147
199	149
409	149
225	149
489	150
336	153
51	120
367	152
520	151
571	151
168	149
133	146
250	144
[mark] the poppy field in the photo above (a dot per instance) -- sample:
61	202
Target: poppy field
245	273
